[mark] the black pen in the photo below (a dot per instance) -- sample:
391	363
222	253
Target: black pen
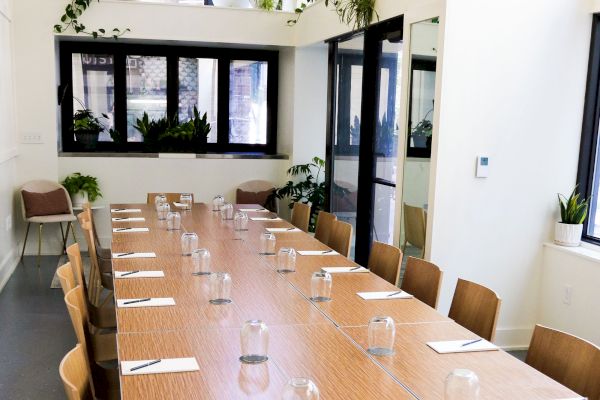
145	365
326	251
394	294
137	301
129	273
119	209
471	342
124	254
120	219
291	229
355	268
122	229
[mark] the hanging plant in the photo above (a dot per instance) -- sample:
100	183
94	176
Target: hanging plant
355	13
70	19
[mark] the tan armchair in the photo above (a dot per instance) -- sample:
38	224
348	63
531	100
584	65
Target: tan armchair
256	192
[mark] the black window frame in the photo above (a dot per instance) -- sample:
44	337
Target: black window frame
119	51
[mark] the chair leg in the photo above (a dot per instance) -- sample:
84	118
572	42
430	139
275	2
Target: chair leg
69	226
73	232
64	238
25	241
39	244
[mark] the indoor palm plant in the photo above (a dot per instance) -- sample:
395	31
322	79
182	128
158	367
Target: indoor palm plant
573	212
82	188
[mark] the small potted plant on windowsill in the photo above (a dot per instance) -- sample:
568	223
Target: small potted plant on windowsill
573	211
82	188
86	128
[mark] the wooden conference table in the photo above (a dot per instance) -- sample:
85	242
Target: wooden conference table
325	342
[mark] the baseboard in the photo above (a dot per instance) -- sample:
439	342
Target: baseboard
513	338
7	267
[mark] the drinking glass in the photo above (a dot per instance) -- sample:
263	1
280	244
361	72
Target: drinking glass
218	201
163	210
300	389
189	243
201	260
159	199
382	332
255	342
220	288
320	286
462	384
286	260
240	221
173	221
186	200
227	211
267	244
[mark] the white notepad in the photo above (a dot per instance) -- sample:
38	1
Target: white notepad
265	219
254	210
133	255
317	253
153	302
179	205
345	270
132	219
384	295
126	230
456	346
139	274
165	366
125	210
280	230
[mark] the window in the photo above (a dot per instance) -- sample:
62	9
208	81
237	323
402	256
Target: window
236	88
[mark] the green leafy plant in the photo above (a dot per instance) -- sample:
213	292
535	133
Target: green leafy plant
85	121
70	20
266	4
310	190
355	13
573	210
76	183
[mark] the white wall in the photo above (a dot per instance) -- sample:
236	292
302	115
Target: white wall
513	88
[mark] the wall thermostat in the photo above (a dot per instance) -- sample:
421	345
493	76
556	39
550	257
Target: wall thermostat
483	166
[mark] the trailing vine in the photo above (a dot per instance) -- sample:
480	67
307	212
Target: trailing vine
355	13
70	20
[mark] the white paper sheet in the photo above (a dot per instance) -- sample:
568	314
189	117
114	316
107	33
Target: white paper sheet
125	210
281	230
384	295
133	255
345	270
179	205
165	366
254	210
153	302
317	253
456	346
130	230
265	219
139	274
132	219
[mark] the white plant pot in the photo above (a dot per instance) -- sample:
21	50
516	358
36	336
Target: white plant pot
79	199
568	234
232	3
289	5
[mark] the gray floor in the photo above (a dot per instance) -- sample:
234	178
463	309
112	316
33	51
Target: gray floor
35	333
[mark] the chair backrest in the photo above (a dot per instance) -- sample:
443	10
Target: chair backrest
301	216
476	308
423	280
77	311
67	277
75	374
385	261
101	252
567	359
86	228
42	186
414	226
76	262
171	197
340	237
324	226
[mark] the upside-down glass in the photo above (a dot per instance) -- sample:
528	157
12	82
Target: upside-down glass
227	211
461	384
382	333
218	201
286	260
189	243
220	288
186	200
254	339
159	199
300	389
267	244
201	260
240	221
173	221
163	210
320	286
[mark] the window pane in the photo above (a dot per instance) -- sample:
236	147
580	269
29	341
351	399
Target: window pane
248	102
146	91
93	87
384	210
198	83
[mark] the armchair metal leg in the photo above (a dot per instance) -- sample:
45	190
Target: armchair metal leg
72	231
64	238
39	244
25	241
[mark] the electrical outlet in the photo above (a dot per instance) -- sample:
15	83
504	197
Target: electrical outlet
8	223
31	138
568	294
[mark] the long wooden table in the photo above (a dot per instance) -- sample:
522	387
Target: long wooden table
323	341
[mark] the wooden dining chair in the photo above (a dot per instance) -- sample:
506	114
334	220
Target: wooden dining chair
341	237
98	280
104	254
75	374
324	225
414	228
385	261
423	280
66	277
567	359
301	216
171	197
476	308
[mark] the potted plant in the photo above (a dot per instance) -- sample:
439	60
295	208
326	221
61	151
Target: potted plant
573	211
264	4
86	128
82	188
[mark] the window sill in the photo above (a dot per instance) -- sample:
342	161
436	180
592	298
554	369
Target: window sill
587	251
213	156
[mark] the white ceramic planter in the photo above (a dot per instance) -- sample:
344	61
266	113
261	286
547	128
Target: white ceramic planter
232	3
289	5
79	199
567	234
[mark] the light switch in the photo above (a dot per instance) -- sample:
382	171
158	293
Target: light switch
483	167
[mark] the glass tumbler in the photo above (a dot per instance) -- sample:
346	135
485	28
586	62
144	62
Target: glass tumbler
163	210
220	288
382	333
189	243
461	384
159	199
218	201
227	212
255	342
286	260
201	260
267	244
186	200
240	221
300	389
173	221
320	286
